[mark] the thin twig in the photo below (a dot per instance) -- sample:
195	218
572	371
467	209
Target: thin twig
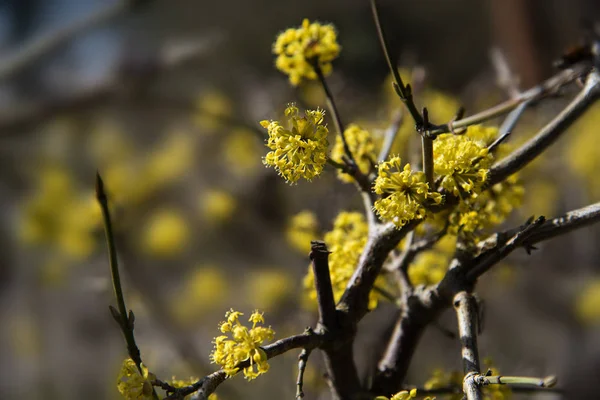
124	319
505	78
390	136
302	362
508	125
549	133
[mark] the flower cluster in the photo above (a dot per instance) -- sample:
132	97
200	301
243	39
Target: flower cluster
362	147
345	242
301	150
243	345
301	229
407	193
463	162
131	384
403	395
298	49
487	210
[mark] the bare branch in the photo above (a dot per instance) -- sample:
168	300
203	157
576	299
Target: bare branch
536	145
302	362
505	78
390	135
320	266
466	314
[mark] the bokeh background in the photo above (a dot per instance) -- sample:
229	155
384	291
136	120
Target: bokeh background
164	100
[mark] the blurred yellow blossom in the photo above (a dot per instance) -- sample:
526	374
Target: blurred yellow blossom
582	156
205	287
407	193
241	152
345	242
301	150
242	344
361	145
429	267
169	160
298	48
403	395
212	107
301	230
440	379
587	302
132	385
166	233
217	205
269	289
58	215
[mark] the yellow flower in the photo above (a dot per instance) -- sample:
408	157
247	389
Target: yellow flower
297	49
166	233
133	385
242	344
407	193
362	147
462	162
301	150
440	379
587	304
403	395
345	242
217	205
301	229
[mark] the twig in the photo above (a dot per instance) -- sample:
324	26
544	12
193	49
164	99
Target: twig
403	91
124	319
548	134
45	43
302	362
508	125
534	94
390	136
427	147
466	313
207	385
320	266
546	382
505	78
337	120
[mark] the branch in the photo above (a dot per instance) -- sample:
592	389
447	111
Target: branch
466	313
45	43
390	135
124	319
302	362
534	94
320	266
207	385
536	145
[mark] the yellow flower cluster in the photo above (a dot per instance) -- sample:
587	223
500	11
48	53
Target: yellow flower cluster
345	242
243	345
217	206
166	233
301	229
407	193
362	146
462	162
301	150
403	395
132	385
297	49
489	209
429	267
440	379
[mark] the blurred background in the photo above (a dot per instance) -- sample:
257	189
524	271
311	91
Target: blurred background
164	99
